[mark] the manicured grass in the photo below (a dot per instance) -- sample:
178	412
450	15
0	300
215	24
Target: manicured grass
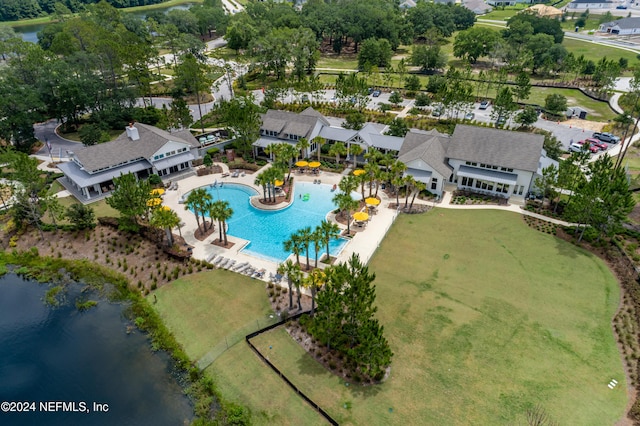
503	14
486	317
594	51
201	310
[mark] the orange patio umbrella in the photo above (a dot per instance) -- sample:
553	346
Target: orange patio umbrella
314	164
358	172
302	163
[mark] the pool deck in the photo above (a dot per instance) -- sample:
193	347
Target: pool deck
365	242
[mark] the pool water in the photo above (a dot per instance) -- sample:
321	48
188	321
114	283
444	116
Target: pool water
267	230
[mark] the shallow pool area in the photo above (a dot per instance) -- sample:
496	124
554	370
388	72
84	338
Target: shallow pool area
265	230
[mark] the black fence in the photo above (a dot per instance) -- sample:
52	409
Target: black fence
248	338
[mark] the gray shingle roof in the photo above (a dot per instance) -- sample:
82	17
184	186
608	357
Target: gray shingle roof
591	1
624	23
429	147
496	147
337	133
123	150
290	123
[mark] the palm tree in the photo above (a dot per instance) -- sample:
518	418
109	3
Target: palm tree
196	201
338	149
294	245
328	230
418	188
346	204
410	183
306	237
287	153
317	241
348	184
355	150
294	276
165	219
315	280
320	141
271	150
372	172
223	213
302	146
261	180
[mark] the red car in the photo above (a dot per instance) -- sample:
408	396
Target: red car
598	144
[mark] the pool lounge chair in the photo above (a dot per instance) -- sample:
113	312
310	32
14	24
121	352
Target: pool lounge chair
230	265
235	174
240	266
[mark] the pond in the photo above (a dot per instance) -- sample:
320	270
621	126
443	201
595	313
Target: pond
56	355
30	32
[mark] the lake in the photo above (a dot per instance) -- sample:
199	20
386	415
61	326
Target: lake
50	356
30	32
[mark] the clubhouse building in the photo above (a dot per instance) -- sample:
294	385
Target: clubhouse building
481	159
141	149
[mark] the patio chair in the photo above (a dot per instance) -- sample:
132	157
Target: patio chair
230	265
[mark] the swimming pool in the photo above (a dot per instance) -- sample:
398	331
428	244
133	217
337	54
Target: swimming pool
267	230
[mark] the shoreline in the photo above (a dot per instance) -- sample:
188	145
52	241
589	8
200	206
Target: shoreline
49	19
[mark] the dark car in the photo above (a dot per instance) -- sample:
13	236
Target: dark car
376	93
606	137
469	116
621	6
484	104
501	120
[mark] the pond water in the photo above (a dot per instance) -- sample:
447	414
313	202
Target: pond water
30	32
64	355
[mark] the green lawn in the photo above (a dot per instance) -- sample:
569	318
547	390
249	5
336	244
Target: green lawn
201	310
486	318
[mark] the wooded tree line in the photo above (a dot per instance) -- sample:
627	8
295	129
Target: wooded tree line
275	33
93	67
14	10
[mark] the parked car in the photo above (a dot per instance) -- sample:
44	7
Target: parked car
305	98
437	110
575	147
606	137
501	120
597	143
376	93
621	6
484	104
469	116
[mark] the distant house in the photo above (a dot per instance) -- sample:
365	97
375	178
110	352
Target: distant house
424	154
494	161
624	26
479	7
590	4
141	149
407	4
500	3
